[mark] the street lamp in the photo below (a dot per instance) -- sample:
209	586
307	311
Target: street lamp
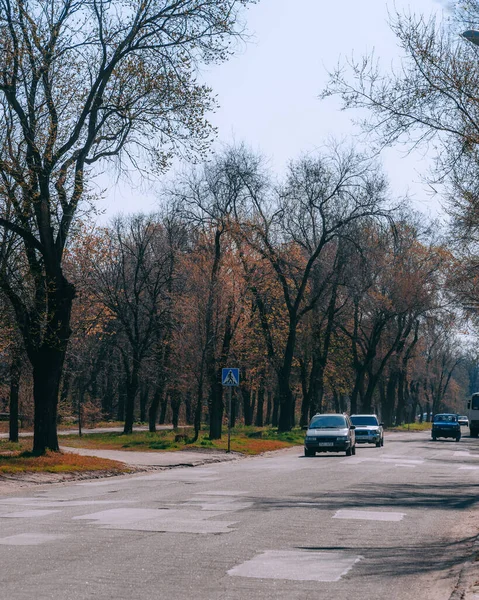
471	35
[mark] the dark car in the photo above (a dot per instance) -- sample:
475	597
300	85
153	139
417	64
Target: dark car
446	425
330	433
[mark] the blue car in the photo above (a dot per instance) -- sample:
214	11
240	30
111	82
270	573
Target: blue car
446	425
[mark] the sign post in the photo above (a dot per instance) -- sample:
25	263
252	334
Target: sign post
230	379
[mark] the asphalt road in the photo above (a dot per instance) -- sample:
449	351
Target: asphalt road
390	523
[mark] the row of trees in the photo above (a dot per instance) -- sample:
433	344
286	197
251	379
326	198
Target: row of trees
323	293
319	287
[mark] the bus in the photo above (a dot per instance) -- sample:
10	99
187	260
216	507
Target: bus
473	414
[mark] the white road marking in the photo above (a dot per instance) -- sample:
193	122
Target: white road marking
27	514
297	565
469	468
369	515
405	465
462	453
30	539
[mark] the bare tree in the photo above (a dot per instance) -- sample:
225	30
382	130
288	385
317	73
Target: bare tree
83	82
320	199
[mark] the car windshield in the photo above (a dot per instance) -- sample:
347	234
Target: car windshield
368	420
445	419
328	422
462	417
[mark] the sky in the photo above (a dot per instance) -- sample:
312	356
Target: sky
269	91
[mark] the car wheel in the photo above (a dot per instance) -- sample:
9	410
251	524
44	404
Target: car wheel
433	438
349	452
309	453
353	450
378	444
458	438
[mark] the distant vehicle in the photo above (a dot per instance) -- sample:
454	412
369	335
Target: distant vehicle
368	430
330	433
445	425
473	414
463	420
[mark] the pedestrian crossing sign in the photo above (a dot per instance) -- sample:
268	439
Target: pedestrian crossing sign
230	377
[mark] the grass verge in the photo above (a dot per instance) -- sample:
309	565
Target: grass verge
246	440
16	459
411	427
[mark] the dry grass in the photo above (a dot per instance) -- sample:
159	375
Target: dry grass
17	458
246	440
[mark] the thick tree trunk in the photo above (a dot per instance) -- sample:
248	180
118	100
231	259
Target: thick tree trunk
47	373
15	373
216	409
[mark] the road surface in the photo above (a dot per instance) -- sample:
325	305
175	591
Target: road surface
391	523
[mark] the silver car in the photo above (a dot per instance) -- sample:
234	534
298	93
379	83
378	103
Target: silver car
368	430
330	433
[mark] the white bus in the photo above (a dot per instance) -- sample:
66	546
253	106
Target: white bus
473	414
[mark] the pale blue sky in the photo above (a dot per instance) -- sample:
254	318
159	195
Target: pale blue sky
268	92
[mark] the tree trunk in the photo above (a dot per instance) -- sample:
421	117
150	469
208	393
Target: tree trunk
131	393
260	408
248	415
15	373
144	393
216	409
269	406
163	407
47	373
276	401
188	408
175	408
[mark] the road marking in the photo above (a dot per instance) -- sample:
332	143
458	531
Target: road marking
27	514
405	465
30	539
301	565
369	515
462	453
469	468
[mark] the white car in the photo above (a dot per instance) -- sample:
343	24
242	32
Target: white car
463	420
330	433
368	430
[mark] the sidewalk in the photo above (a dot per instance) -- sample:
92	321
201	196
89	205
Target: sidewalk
163	459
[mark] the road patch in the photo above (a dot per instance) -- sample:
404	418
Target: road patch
293	565
369	515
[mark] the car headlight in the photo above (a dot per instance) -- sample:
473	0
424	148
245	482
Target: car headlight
310	438
343	438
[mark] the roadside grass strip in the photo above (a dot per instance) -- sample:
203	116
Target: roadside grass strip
369	515
293	565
